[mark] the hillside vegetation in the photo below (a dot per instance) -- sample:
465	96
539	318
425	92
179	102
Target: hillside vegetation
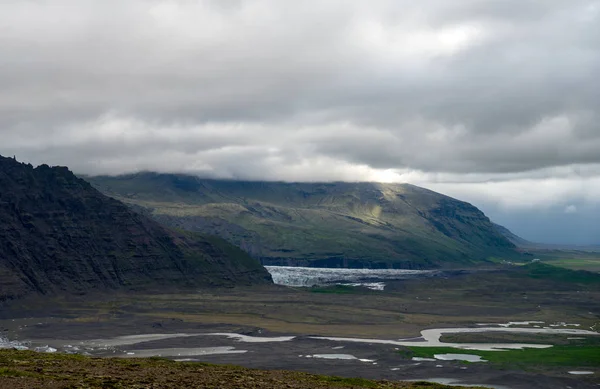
25	369
319	224
59	234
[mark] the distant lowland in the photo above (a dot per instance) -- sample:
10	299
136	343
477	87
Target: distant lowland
338	224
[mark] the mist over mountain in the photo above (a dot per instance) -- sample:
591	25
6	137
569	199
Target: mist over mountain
495	103
338	224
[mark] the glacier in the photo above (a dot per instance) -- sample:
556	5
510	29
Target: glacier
313	276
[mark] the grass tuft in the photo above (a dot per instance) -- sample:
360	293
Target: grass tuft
567	356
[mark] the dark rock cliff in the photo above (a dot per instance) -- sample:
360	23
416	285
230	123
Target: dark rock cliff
59	234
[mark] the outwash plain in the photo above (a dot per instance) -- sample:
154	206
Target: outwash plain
95	293
401	311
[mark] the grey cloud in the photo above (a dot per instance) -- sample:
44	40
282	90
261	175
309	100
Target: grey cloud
260	88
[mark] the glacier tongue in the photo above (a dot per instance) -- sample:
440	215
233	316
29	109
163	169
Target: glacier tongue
312	276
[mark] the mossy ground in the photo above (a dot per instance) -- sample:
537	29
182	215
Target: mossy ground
586	354
25	369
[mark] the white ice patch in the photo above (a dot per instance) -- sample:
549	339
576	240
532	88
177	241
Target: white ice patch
14	344
335	356
45	349
183	352
310	276
368	285
431	338
136	339
575	372
347	357
563	324
520	323
419	359
132	339
459	357
455	382
252	339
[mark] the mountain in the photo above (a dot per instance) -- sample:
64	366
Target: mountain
319	224
59	234
514	238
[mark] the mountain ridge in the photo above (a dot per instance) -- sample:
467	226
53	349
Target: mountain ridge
59	234
336	224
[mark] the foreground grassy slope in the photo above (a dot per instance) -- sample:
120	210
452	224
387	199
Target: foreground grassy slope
574	357
322	224
23	369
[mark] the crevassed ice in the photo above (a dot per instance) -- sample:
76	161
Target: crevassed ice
311	276
6	343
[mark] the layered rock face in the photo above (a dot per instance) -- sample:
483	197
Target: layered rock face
59	234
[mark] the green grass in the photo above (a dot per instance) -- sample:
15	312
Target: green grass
26	369
517	337
6	372
570	258
544	271
592	264
337	224
568	356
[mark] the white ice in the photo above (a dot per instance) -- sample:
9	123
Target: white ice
310	276
368	285
129	340
340	356
459	357
455	382
182	352
431	338
335	356
15	344
520	323
252	339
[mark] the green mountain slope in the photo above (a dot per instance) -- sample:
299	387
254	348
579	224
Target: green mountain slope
59	234
319	224
515	239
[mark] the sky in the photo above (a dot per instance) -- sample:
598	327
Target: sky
495	102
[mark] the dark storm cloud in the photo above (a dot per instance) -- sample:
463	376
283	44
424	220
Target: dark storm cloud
305	90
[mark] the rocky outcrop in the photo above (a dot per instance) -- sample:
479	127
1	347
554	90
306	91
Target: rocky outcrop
59	234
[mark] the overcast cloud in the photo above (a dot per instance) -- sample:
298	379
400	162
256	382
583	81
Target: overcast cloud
494	102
